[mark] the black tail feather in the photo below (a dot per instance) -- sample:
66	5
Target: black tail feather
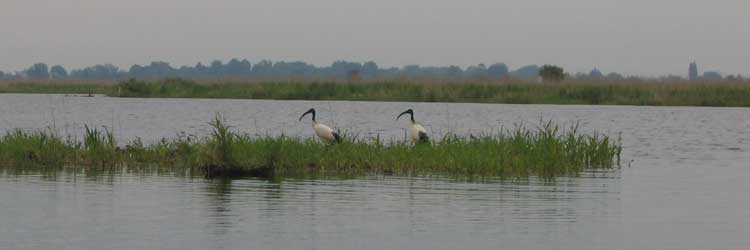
336	137
423	138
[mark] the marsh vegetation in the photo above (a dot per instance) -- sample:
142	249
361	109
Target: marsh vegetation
545	151
677	93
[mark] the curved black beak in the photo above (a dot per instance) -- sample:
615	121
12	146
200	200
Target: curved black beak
308	112
408	111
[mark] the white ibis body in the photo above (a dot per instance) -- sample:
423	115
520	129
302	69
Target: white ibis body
417	133
324	132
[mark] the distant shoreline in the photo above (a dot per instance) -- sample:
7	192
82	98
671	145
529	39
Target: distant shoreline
640	93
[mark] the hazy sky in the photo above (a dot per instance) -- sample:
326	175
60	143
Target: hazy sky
649	37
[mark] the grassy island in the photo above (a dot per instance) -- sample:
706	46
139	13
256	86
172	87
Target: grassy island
545	151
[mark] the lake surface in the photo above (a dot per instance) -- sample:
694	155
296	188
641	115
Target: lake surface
683	184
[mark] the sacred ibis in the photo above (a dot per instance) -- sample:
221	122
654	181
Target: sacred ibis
417	133
324	132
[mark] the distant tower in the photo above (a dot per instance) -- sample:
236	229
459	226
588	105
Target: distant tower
693	72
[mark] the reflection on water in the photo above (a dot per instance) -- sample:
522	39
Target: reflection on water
218	192
684	184
130	211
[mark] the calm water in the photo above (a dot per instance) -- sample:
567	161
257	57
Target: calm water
683	184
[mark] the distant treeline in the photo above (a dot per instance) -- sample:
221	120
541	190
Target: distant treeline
237	69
